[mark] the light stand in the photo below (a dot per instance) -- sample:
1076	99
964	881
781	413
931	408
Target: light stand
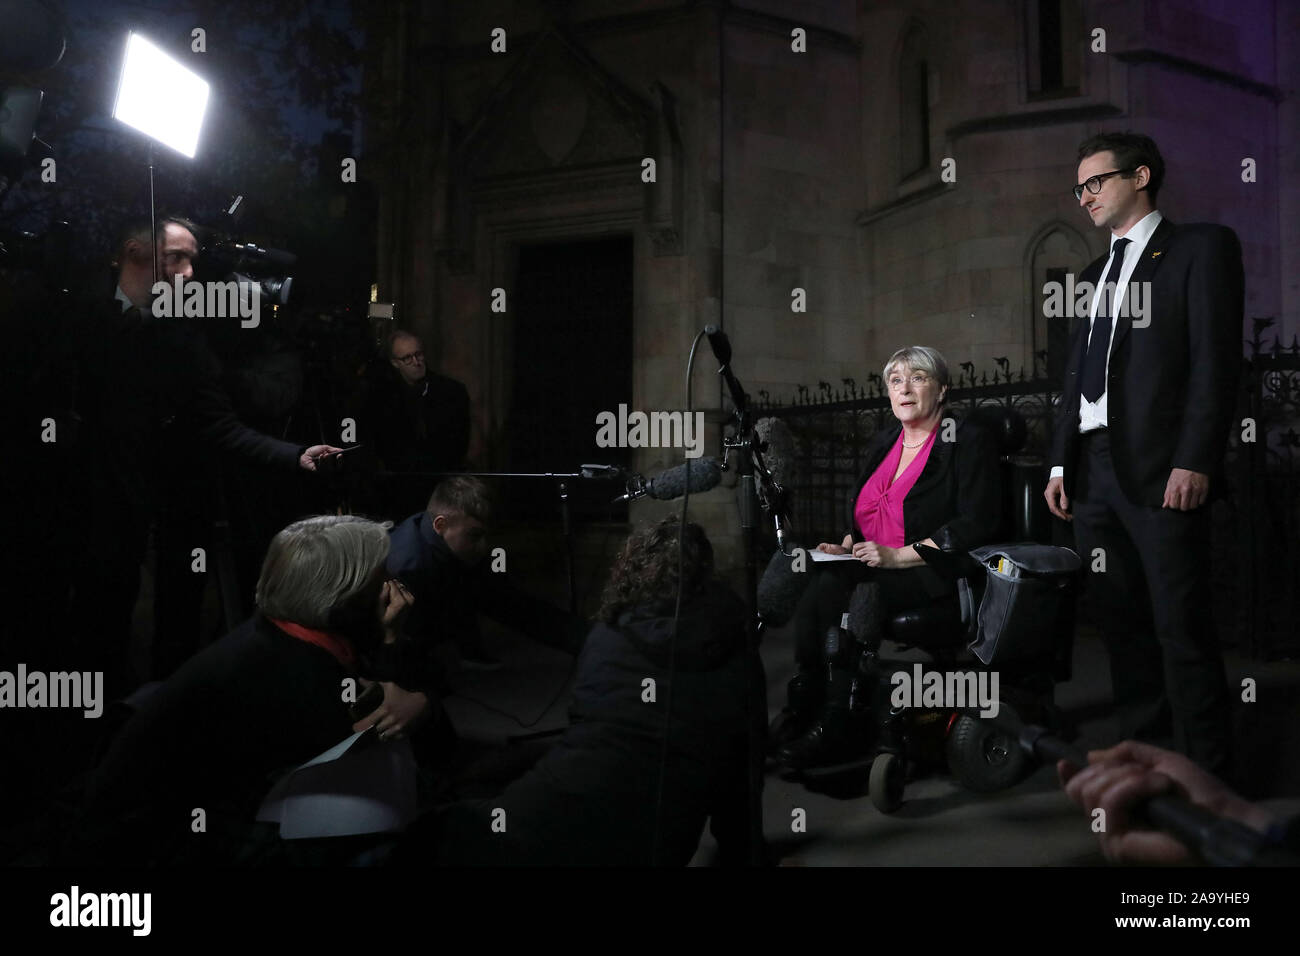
164	100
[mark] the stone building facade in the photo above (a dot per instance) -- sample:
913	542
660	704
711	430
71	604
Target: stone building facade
907	164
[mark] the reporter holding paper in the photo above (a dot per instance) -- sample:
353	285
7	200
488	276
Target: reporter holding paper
922	483
266	697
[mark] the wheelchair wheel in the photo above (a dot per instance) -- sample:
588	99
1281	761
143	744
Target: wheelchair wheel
984	758
886	785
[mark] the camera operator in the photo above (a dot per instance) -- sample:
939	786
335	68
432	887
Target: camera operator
141	383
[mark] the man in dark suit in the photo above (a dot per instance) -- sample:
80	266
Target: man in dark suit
1139	445
420	421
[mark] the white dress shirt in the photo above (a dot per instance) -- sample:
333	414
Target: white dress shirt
1092	415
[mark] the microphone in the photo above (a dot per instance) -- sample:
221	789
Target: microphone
720	344
866	618
705	474
780	589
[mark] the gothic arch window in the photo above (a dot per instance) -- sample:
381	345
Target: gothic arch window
1056	254
914	105
1053	42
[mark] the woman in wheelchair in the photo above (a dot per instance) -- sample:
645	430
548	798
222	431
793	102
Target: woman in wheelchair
927	480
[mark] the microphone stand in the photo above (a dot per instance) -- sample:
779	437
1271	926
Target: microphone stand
756	485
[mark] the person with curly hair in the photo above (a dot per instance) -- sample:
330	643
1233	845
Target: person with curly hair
664	710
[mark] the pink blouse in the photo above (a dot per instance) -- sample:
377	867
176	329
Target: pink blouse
879	510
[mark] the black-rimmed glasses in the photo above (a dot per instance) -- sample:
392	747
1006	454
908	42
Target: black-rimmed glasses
1093	183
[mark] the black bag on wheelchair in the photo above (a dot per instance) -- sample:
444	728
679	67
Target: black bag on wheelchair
1027	601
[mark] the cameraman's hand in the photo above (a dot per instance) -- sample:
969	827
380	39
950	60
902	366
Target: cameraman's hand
307	461
401	711
1121	778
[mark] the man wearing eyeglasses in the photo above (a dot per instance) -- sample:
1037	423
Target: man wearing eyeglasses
420	422
1139	445
156	417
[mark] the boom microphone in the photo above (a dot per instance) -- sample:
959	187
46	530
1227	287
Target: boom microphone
705	474
780	589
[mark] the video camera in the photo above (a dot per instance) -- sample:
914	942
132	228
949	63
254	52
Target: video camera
249	262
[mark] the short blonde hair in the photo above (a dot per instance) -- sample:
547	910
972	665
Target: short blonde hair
318	565
920	358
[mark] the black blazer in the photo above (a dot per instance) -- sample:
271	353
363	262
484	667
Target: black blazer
214	735
141	384
1171	385
396	416
956	499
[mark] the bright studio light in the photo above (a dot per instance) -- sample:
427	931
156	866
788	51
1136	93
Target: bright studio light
159	97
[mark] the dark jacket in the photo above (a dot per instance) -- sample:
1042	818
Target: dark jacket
449	595
1171	385
213	736
956	499
425	428
592	799
142	382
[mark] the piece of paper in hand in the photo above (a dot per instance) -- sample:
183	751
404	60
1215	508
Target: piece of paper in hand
823	556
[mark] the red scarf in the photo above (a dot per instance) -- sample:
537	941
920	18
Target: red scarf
339	647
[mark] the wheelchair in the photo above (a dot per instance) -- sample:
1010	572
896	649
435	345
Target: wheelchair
1013	615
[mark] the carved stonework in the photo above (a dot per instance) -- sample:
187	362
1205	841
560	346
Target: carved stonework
558	107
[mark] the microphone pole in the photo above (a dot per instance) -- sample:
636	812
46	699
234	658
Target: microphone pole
743	441
1218	841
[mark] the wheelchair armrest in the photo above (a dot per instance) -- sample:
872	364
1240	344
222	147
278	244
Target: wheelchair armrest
953	565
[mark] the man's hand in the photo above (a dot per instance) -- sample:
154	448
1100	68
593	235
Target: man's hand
307	462
394	601
1057	503
402	710
1186	490
1121	778
875	555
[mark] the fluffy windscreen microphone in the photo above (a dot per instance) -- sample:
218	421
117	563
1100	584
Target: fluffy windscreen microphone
706	474
781	587
866	613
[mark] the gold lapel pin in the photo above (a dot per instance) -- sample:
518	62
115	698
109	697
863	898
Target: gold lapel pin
1154	254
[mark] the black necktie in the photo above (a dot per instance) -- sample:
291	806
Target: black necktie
1094	362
